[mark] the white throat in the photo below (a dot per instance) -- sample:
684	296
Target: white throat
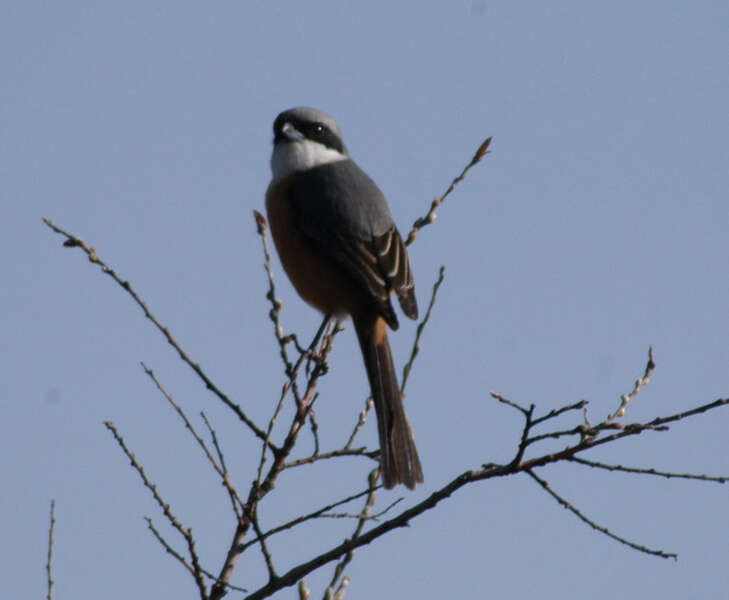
300	155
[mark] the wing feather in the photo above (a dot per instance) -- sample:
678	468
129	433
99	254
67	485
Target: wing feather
346	216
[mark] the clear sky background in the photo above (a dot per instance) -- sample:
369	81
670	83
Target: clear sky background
599	225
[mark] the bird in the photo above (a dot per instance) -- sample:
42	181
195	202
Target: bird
343	254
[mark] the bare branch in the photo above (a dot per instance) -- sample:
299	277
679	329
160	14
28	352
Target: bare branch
594	525
431	214
314	515
639	383
291	369
295	574
638	471
264	548
314	430
276	305
374	455
364	516
524	442
221	585
328	329
555	413
216	445
486	472
420	328
360	422
690	413
338	594
219	469
150	373
279	405
181	559
73	241
49	558
260	489
505	400
185	532
587	442
588	431
312	360
168	547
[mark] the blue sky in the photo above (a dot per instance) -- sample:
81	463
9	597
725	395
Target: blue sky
595	228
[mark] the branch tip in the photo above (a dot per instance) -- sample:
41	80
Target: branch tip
482	149
260	222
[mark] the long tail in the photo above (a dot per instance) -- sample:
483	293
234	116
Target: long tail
399	460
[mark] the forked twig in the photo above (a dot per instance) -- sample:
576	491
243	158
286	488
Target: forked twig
181	559
236	500
185	532
73	241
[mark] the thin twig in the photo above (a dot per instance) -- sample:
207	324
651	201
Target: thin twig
259	489
626	431
235	499
523	442
338	594
181	559
279	405
486	472
373	454
185	532
168	547
594	525
556	412
276	305
639	383
431	214
49	558
420	328
504	400
361	420
174	521
314	431
327	330
219	468
188	425
638	471
74	241
264	548
298	520
216	445
364	516
589	432
290	368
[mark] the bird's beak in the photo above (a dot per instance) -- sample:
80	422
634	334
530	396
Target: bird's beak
289	133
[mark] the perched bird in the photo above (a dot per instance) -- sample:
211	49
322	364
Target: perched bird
343	254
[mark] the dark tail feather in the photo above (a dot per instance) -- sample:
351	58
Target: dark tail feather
399	460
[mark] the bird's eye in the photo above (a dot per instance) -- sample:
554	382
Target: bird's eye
318	129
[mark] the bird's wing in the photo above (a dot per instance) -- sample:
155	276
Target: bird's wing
346	216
